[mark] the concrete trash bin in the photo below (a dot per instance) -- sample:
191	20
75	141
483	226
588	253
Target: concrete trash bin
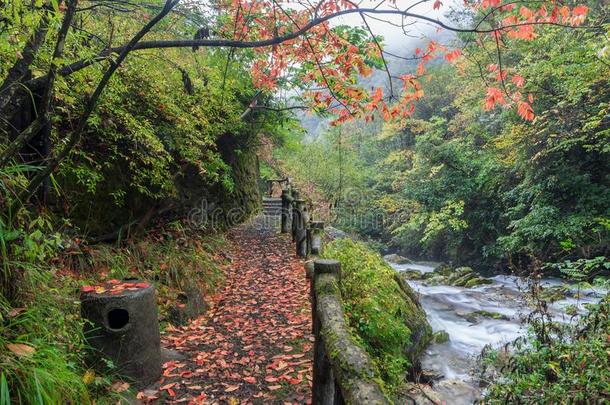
122	325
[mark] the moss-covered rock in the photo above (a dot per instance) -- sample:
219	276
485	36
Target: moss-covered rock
475	316
477	281
382	310
459	277
441	336
397	259
554	293
436	280
443	269
412	274
461	281
491	315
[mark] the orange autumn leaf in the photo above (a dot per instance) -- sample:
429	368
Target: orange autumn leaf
21	349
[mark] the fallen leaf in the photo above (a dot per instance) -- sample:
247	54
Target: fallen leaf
20	349
119	386
167	387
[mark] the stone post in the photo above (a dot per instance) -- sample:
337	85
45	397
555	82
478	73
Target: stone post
286	202
324	387
295	197
122	325
301	228
314	237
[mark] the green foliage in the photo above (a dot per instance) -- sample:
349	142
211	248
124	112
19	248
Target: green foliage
383	318
582	269
571	369
458	183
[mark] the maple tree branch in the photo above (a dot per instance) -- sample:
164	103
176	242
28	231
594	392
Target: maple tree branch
385	64
232	43
317	60
499	54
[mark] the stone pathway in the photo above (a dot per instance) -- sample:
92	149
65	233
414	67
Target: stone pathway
254	345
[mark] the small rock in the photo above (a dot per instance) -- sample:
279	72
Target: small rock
492	315
469	316
456	392
441	336
428	375
416	394
171	355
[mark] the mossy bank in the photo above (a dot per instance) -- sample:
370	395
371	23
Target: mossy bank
384	314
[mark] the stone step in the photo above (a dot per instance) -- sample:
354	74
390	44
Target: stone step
272	212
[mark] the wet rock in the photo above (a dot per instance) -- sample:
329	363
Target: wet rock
416	394
468	316
475	316
491	315
443	269
477	281
428	375
412	274
436	280
441	336
554	293
459	274
460	277
397	259
456	392
463	280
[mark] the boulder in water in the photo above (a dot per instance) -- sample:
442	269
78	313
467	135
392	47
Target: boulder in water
412	274
397	259
477	281
491	315
461	281
441	336
443	269
456	392
554	293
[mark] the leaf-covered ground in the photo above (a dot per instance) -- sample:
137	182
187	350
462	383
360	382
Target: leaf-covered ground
254	345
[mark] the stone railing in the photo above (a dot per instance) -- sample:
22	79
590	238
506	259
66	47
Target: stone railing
342	370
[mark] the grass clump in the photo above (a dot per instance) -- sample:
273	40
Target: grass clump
40	342
386	322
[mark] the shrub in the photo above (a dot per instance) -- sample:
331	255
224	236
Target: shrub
571	368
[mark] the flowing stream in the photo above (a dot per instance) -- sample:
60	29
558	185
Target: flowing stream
451	309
